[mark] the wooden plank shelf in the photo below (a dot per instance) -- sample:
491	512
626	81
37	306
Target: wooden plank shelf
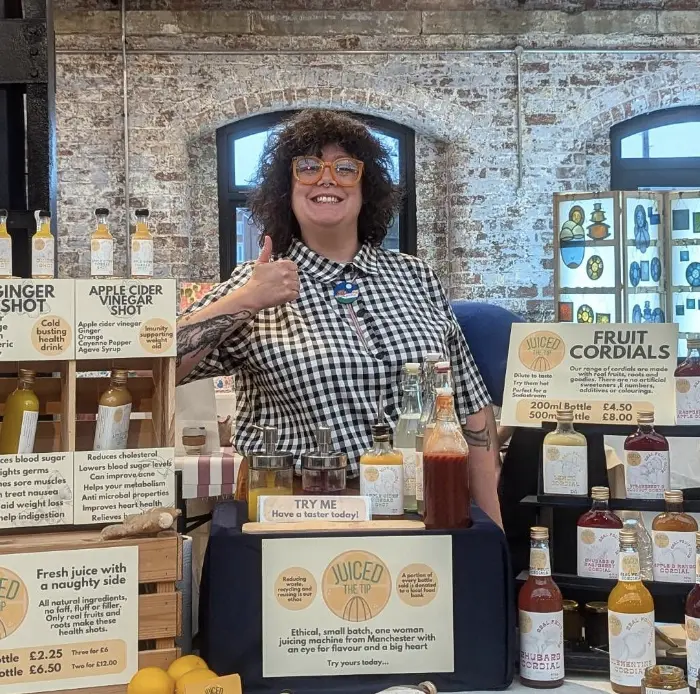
690	505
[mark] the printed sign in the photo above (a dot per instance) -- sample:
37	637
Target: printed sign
36	320
357	605
606	375
291	509
231	684
68	620
112	484
125	318
36	489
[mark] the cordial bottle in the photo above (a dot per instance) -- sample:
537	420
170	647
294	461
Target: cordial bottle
598	538
102	247
18	430
647	461
565	458
673	542
113	414
688	386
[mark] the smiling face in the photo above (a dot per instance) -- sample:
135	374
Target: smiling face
326	205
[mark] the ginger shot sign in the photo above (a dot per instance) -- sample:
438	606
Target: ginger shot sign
125	318
605	373
37	320
357	605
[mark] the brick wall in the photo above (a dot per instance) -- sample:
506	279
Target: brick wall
449	74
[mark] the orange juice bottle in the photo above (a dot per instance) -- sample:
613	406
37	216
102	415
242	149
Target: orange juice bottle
43	248
142	248
102	247
381	476
20	418
5	247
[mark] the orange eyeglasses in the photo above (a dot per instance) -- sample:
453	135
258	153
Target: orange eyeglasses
345	171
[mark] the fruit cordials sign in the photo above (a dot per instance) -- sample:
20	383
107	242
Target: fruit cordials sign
606	374
357	605
68	620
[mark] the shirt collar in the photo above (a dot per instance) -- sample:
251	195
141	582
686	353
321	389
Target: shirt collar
325	270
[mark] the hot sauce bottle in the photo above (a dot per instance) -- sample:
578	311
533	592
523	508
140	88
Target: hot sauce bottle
688	386
673	541
541	619
598	538
692	621
630	622
565	458
647	461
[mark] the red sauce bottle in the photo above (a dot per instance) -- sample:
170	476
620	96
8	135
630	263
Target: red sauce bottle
647	461
598	546
541	619
688	386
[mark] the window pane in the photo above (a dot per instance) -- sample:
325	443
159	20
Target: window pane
246	156
666	141
392	144
391	240
247	235
633	147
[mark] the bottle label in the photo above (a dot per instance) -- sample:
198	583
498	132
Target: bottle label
688	400
102	257
674	556
629	566
656	690
419	476
42	256
647	474
632	648
697	565
27	433
5	257
142	257
539	562
565	469
692	645
598	552
541	645
409	471
384	485
112	429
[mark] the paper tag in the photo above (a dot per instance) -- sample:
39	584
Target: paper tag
112	429
293	509
688	400
631	646
542	645
539	562
674	556
27	433
647	474
102	257
230	684
420	494
142	257
598	551
43	257
409	471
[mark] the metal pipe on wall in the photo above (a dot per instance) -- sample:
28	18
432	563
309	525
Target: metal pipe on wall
125	95
406	51
519	112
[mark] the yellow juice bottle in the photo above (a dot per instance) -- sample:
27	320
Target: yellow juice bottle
43	248
113	414
102	247
142	248
20	417
381	476
5	247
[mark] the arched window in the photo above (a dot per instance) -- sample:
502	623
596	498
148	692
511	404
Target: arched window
239	147
657	151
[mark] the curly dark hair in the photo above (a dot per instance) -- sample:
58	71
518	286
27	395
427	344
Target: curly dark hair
307	133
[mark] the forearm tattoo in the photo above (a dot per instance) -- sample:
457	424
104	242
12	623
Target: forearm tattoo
195	338
481	438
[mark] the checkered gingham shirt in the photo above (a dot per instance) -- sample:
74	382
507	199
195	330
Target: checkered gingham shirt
317	362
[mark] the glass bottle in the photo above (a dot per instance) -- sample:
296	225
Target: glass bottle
20	417
565	458
428	399
446	468
692	621
43	248
541	619
630	622
323	471
5	247
113	414
647	461
102	247
142	248
673	541
664	678
381	476
688	386
633	520
405	433
598	544
270	472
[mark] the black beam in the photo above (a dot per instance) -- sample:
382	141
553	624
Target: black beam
13	185
23	51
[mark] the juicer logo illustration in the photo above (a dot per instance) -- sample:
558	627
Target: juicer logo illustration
661	540
14	602
588	537
356	586
542	351
692	629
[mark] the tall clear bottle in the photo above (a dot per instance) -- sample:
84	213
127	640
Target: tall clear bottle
43	248
142	247
688	386
102	247
692	622
598	538
5	247
565	458
405	433
630	622
673	541
18	430
647	461
541	619
428	399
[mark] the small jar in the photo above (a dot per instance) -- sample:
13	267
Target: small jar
270	473
323	471
596	624
194	440
663	678
573	624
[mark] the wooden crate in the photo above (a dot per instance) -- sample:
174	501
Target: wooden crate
160	604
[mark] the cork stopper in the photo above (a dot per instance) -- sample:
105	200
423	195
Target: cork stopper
565	415
539	532
27	376
142	213
600	493
692	342
673	496
645	418
628	538
119	377
101	212
380	432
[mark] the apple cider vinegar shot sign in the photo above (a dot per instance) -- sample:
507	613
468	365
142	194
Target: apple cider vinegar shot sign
36	320
606	373
68	620
125	318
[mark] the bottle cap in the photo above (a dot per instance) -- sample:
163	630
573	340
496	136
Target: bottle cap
194	431
27	374
697	539
120	376
412	368
3	212
44	213
433	357
442	367
628	538
428	687
645	417
270	458
539	532
673	496
380	430
142	213
569	605
597	606
101	212
565	415
600	493
692	342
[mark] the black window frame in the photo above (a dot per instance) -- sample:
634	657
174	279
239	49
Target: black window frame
232	196
664	172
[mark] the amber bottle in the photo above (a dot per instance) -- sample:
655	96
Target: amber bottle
673	541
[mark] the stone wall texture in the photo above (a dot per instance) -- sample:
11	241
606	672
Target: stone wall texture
483	193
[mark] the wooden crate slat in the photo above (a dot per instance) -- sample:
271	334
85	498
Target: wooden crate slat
162	658
159	616
142	364
9	368
68	406
89	390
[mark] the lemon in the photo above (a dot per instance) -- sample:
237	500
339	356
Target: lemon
193	677
151	680
184	664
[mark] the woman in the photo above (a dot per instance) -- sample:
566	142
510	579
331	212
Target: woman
319	336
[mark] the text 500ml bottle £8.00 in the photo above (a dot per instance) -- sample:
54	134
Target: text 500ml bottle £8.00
18	429
598	544
647	461
673	542
113	415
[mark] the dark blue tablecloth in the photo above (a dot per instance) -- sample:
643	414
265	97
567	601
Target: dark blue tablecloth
484	618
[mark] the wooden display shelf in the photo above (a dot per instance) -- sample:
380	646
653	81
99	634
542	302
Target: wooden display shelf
160	604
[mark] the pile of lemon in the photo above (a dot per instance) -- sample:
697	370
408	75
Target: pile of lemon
189	669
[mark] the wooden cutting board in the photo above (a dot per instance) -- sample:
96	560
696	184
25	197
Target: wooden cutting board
377	526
